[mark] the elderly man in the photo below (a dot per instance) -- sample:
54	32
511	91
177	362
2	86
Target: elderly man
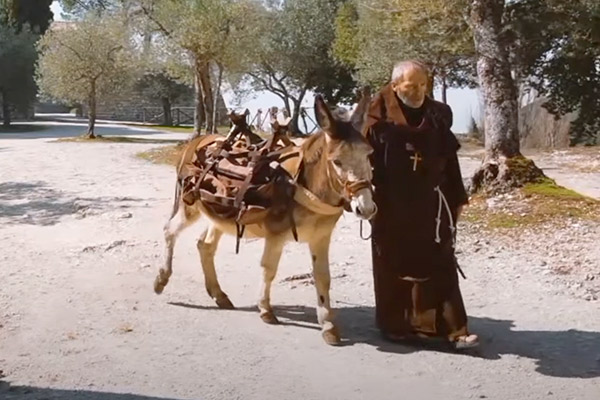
419	193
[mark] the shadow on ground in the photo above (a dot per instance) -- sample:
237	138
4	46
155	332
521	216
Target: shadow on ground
8	392
35	203
566	354
50	130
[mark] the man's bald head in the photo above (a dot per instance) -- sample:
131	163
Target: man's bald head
410	80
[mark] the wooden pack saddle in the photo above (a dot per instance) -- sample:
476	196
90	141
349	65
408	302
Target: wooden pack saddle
240	180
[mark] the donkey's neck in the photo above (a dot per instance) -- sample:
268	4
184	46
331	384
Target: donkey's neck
314	175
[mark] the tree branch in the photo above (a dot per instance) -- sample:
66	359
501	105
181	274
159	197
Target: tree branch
70	48
161	27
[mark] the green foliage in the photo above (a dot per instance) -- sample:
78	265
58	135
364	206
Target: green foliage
91	57
211	30
374	36
557	51
346	47
295	53
20	23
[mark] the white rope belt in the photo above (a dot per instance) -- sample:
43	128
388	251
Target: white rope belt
442	200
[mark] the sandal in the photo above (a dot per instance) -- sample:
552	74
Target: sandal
466	342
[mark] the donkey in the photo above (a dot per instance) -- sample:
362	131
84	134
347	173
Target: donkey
335	175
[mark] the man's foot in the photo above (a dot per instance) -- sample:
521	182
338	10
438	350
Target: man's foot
392	337
413	338
466	342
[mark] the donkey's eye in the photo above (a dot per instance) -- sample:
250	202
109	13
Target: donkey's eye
337	163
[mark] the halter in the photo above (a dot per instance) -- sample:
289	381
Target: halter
346	189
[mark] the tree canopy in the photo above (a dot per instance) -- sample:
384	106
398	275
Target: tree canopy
17	60
36	14
372	35
294	55
556	50
21	22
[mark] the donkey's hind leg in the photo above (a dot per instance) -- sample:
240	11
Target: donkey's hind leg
207	247
181	219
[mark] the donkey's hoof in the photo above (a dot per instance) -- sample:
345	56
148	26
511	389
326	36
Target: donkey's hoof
224	303
269	318
331	337
159	285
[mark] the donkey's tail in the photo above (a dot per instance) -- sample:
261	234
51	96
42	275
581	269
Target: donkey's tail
177	198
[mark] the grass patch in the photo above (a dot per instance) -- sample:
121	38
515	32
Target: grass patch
549	188
163	155
543	203
21	128
177	129
114	139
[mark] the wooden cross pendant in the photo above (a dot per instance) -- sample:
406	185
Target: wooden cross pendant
416	158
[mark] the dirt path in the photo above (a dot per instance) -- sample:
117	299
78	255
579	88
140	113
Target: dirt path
80	242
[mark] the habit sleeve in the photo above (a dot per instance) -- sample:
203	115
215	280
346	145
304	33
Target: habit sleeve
453	187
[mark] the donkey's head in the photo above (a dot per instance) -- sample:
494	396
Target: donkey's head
347	153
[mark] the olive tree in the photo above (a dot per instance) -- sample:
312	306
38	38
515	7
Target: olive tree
86	60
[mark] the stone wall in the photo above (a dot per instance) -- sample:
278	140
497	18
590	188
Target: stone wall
134	106
539	129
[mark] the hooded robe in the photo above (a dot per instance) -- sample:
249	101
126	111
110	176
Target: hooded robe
418	189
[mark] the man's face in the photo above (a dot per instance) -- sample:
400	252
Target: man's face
412	87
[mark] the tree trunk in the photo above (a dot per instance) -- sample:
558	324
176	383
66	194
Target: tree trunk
5	111
92	112
431	86
167	115
504	167
497	86
294	128
203	69
199	113
216	96
444	89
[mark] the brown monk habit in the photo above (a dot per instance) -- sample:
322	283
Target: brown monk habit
417	181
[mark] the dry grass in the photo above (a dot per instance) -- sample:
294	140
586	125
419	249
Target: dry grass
177	129
163	155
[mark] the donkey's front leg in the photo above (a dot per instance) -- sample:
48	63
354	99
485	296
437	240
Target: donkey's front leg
319	250
269	263
207	247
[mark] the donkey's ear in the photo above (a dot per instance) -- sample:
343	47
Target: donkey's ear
232	116
360	112
324	117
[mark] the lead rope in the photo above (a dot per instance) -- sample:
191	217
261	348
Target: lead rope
442	200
